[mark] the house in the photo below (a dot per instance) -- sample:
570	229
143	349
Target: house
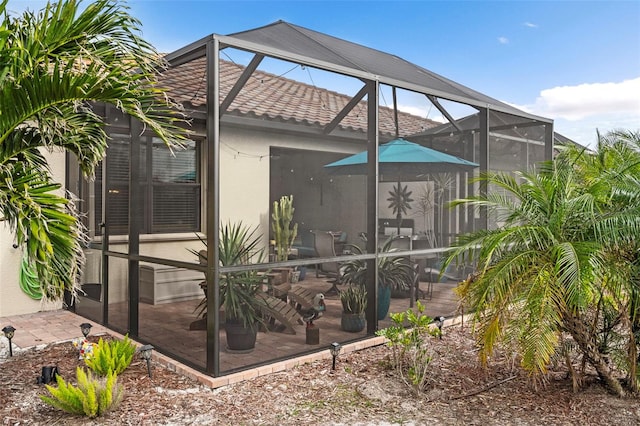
256	136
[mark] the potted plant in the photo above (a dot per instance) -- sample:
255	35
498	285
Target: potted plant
393	273
354	304
238	245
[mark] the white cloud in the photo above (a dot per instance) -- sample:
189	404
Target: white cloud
578	111
503	40
530	25
421	111
589	99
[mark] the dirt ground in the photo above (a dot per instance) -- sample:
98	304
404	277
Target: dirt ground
360	391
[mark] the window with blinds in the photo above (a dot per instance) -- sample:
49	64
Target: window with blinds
169	184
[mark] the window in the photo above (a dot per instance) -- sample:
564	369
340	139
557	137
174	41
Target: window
169	185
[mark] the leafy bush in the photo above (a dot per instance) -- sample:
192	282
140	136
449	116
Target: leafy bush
111	356
411	353
92	397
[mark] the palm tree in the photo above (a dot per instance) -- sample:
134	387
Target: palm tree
54	65
558	266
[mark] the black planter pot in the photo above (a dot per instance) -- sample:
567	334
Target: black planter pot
352	322
240	338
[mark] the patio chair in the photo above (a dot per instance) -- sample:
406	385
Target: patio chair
434	276
305	245
324	244
301	297
277	309
404	243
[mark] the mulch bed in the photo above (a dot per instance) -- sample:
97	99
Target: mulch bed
361	390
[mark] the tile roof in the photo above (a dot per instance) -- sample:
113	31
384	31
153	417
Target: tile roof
272	97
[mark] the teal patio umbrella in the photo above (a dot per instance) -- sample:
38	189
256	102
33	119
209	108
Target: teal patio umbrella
401	158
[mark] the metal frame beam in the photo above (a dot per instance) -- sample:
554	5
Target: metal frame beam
372	205
346	110
548	141
135	206
484	161
213	206
230	41
443	111
242	80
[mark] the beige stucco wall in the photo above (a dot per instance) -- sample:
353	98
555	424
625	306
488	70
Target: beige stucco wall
245	177
12	300
244	196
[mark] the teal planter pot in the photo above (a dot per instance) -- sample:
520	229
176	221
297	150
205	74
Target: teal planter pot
352	322
384	301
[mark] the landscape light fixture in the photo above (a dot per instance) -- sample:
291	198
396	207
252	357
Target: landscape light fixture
439	323
86	329
9	331
146	352
335	351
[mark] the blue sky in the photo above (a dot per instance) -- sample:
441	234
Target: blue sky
577	62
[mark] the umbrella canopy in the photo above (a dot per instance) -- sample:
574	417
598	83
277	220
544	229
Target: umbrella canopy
400	157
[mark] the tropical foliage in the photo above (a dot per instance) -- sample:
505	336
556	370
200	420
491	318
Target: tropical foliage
238	245
565	266
411	346
393	271
54	66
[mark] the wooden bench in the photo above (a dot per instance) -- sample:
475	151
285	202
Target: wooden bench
281	311
301	297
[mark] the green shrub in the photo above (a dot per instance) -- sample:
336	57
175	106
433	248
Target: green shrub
92	397
410	346
111	356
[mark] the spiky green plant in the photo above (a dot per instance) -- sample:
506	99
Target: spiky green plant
111	357
354	299
92	397
238	245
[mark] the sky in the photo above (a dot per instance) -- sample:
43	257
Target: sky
576	62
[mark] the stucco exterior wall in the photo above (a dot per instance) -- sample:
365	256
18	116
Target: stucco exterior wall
12	300
244	196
